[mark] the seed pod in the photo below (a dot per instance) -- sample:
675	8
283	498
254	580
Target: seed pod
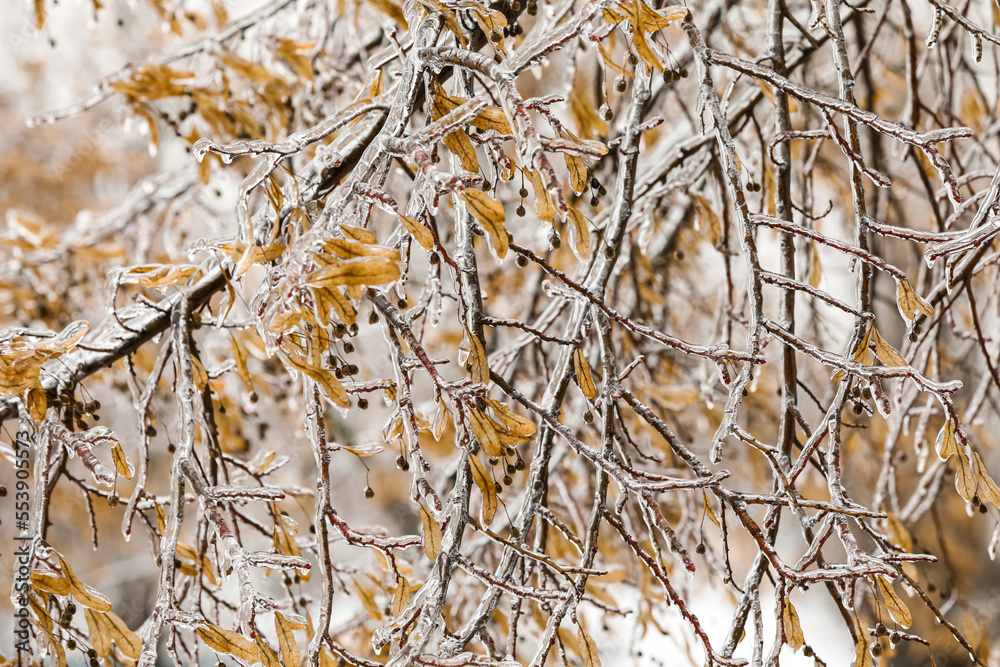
369	492
700	549
363	403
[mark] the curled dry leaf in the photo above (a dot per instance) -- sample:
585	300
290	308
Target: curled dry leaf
588	649
909	302
583	377
489	213
487	487
400	597
422	235
83	593
893	604
793	629
478	360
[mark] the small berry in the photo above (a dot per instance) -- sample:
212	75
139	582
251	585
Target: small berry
369	492
400	461
401	303
554	240
353	369
171	447
493	461
807	651
515	532
881	630
912	337
150	431
70	644
340	330
876	650
610	252
858	409
520	211
495	36
434	258
700	549
521	465
620	84
668	76
497	487
507	480
348	348
363	403
895	638
866	393
515	6
253	397
372	317
684	73
594	201
606	113
601	191
3	491
588	417
532	8
511	468
983	509
523	192
633	59
521	261
353	329
339	374
487	186
113	499
918	328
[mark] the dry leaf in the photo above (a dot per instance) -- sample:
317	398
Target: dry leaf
83	593
793	629
588	649
910	302
583	377
422	235
988	489
371	271
401	597
227	641
50	582
896	608
477	359
484	432
431	534
489	213
946	445
965	479
488	488
122	464
885	352
581	233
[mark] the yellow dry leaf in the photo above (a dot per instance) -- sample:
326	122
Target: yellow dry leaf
50	582
431	534
240	356
583	377
422	235
485	433
478	360
229	642
988	489
460	145
900	535
83	593
910	302
793	629
401	597
516	423
367	598
946	444
543	201
709	512
487	487
100	632
37	403
156	275
708	218
588	649
489	213
577	173
886	353
892	603
266	655
965	478
581	233
122	464
862	657
126	640
358	234
371	271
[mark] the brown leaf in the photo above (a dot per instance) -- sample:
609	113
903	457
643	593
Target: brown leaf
156	275
126	640
83	593
583	377
577	173
486	485
122	463
422	235
489	213
892	603
431	534
50	582
900	535
286	640
485	432
709	512
37	403
946	444
965	478
862	657
910	302
227	641
358	234
401	597
478	360
581	233
460	145
266	655
100	632
988	489
885	352
371	271
240	356
368	600
588	649
516	423
543	201
363	451
793	629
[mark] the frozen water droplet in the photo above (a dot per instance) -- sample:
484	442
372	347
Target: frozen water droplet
30	122
153	149
226	158
200	149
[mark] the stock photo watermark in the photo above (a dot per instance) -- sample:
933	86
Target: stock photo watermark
22	542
